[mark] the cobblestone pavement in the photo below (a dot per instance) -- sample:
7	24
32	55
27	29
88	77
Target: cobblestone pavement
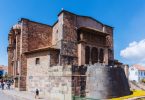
4	96
13	94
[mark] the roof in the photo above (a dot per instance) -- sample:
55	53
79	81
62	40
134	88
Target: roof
2	67
139	67
84	16
94	30
41	50
34	22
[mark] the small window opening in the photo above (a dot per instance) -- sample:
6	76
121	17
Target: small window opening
37	61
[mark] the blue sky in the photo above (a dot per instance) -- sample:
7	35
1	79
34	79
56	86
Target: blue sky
126	16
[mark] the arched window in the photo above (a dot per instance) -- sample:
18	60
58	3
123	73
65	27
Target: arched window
87	54
94	55
101	55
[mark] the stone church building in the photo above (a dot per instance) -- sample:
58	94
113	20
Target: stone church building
36	48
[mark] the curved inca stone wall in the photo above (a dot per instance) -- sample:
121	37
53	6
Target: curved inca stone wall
106	82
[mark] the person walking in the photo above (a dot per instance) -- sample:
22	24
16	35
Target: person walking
37	94
8	84
2	84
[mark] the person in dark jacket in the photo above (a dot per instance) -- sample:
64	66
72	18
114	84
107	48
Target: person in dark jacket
37	94
2	84
8	84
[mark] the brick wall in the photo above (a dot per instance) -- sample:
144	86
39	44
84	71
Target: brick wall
39	36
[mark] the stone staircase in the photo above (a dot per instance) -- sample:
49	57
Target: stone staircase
137	86
142	86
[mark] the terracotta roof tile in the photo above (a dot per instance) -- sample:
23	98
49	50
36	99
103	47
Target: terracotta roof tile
139	67
2	67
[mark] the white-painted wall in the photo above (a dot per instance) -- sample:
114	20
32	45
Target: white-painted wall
133	74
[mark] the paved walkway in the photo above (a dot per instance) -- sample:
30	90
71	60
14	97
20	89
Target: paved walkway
21	95
13	94
4	96
25	95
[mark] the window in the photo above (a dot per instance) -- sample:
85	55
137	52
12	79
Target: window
94	55
87	54
37	61
141	73
101	55
136	73
132	69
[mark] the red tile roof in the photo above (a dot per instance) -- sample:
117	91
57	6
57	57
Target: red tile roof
2	67
139	67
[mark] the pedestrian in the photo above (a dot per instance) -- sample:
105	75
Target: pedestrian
8	84
37	94
2	84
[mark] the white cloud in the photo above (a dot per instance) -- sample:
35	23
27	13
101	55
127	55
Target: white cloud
135	52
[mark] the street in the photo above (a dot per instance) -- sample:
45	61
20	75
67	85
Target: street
3	96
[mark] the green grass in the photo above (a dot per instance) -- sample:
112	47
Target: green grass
136	93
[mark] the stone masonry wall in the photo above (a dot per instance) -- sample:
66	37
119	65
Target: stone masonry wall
18	46
106	82
69	42
41	68
53	82
23	59
57	33
18	53
10	54
33	36
54	55
71	23
10	57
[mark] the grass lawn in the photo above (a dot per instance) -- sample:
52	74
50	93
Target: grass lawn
136	93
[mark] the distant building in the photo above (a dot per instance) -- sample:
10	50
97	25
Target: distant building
136	73
3	70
